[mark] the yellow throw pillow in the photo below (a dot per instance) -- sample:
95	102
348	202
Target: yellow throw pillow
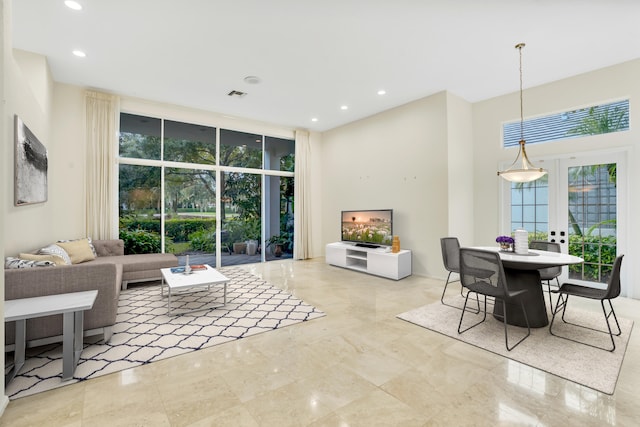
57	260
78	250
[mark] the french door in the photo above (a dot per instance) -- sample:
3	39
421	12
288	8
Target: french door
580	204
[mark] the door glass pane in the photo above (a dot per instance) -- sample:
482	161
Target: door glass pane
241	221
592	220
185	142
279	221
530	207
190	215
139	209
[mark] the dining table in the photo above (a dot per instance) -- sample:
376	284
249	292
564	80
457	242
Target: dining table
522	273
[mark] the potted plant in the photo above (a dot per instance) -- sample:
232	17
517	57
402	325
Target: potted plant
279	243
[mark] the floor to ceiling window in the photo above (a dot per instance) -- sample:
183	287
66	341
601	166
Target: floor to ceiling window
221	196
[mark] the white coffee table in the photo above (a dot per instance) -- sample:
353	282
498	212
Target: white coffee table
179	282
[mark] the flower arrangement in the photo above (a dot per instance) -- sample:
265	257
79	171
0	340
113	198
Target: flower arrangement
505	242
505	239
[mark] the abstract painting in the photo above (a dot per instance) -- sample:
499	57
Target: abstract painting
30	167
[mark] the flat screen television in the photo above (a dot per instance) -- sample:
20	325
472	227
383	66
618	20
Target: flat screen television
368	228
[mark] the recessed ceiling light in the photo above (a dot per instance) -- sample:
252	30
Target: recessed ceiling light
382	92
79	53
252	80
344	107
315	119
73	5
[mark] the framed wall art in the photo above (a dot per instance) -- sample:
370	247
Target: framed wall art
30	169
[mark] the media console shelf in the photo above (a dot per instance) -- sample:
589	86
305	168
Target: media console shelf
374	261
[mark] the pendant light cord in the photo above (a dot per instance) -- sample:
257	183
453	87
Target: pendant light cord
520	46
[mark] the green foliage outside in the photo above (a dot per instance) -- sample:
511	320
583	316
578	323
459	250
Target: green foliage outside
141	242
598	253
178	229
203	241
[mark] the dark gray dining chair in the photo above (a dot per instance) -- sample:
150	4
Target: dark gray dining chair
610	292
475	264
550	273
451	259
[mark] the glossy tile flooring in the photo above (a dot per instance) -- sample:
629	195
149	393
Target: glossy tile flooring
358	366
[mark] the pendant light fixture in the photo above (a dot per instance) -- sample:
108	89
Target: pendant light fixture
521	170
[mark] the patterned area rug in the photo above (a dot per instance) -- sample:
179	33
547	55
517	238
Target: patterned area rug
145	333
594	368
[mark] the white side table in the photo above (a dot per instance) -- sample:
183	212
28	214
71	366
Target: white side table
71	306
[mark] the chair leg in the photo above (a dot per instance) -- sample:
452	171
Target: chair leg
461	294
464	308
445	289
504	321
606	317
562	304
550	298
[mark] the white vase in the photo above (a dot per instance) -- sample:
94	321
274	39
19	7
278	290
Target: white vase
521	245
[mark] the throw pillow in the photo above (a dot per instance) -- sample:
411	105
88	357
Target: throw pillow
11	262
57	260
93	249
55	250
78	250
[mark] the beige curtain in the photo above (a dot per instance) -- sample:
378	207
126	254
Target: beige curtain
302	210
102	112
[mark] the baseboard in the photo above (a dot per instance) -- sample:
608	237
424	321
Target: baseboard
3	405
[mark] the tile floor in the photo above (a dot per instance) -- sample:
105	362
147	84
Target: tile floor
358	366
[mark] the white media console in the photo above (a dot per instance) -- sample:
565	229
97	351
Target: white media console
375	261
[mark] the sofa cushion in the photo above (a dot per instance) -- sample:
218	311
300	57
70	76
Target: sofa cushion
88	239
110	247
55	250
79	250
57	260
140	262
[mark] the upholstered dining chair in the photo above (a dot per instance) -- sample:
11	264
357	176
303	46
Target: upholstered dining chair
550	273
610	292
475	264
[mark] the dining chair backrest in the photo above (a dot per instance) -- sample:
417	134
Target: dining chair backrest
543	245
450	253
613	284
481	271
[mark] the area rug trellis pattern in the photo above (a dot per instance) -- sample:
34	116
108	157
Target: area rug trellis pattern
144	333
594	368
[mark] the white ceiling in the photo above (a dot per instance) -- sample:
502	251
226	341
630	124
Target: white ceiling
314	56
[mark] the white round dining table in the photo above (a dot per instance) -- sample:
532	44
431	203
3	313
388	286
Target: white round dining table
521	271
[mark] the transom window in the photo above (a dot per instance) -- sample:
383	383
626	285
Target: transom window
594	120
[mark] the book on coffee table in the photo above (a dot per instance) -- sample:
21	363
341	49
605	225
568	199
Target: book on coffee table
195	267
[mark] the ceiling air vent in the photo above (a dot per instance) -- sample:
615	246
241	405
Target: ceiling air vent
237	93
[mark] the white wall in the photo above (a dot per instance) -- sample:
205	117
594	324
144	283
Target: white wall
612	83
28	226
396	159
460	169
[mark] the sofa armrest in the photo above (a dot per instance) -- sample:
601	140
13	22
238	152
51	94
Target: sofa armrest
39	281
112	247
